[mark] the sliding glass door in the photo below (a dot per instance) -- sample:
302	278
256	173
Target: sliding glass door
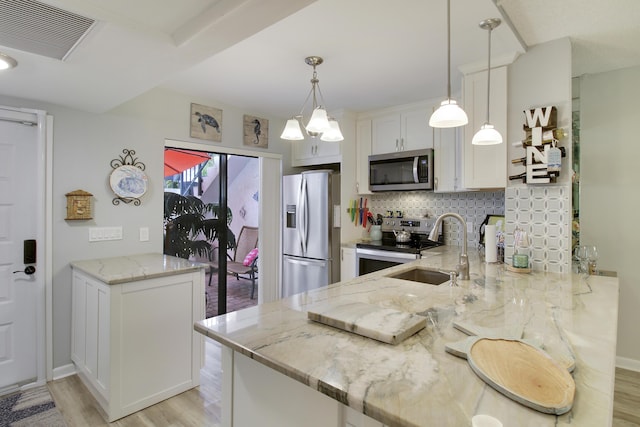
211	215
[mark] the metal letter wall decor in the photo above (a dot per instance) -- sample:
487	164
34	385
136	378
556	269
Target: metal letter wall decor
542	161
128	180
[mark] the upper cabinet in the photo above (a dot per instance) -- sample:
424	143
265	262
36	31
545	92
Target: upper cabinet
363	150
485	166
401	131
447	161
313	151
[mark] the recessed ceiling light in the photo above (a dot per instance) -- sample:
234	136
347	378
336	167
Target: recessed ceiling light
7	62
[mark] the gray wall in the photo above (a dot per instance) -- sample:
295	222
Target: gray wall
84	144
609	200
540	78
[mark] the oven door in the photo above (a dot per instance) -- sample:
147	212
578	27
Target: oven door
370	260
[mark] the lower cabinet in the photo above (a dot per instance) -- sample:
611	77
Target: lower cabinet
133	344
347	264
255	395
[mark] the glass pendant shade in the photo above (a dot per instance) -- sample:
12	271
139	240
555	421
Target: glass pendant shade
319	122
7	62
333	134
292	131
448	115
487	135
319	125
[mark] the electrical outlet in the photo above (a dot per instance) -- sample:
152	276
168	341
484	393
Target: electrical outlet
469	226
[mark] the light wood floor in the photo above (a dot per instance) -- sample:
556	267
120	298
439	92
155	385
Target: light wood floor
200	406
626	398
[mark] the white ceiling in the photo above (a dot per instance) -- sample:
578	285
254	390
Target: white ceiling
250	53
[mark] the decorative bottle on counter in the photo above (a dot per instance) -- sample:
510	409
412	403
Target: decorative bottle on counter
375	233
521	244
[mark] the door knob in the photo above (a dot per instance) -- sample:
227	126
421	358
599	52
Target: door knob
29	270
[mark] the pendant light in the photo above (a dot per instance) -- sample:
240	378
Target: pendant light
320	124
488	135
449	114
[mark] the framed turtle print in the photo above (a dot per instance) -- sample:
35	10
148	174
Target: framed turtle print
255	131
206	123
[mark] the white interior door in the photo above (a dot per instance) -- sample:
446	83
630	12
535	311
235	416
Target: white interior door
21	293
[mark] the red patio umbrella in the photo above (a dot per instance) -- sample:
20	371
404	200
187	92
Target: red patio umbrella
177	160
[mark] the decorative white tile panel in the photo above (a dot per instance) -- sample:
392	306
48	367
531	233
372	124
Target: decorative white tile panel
472	206
544	213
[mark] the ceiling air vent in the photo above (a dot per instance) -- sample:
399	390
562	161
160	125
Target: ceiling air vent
38	28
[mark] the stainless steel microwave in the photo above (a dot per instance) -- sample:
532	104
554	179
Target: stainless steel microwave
401	171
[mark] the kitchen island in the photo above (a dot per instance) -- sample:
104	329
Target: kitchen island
133	342
279	367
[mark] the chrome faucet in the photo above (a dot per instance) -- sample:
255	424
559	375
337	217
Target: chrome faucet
463	266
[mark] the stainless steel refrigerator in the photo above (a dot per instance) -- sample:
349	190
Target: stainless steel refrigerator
311	236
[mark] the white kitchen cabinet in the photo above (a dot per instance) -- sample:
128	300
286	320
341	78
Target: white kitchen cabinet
347	263
402	131
133	343
249	384
485	166
353	418
447	161
363	150
314	151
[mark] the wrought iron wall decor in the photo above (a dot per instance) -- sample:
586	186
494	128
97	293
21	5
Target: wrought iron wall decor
128	180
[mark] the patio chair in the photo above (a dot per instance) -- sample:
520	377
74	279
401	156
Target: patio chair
240	265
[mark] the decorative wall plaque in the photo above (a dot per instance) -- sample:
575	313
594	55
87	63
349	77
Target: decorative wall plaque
206	123
255	131
79	205
542	161
128	180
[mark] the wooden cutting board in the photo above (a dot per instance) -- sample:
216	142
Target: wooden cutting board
382	324
523	373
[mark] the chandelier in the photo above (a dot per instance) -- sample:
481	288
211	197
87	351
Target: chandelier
320	124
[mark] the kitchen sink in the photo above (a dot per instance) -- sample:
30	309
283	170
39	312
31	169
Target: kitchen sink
423	275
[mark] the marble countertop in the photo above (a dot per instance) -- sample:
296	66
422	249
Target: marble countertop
123	269
416	383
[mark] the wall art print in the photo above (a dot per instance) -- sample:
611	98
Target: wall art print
206	123
255	131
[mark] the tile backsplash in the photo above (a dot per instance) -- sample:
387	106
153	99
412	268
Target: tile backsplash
472	206
545	213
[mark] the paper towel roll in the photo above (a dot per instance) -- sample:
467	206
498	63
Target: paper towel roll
490	244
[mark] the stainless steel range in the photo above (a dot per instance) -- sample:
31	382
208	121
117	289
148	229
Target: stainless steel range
377	255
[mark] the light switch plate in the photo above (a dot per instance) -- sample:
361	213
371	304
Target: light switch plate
144	234
101	234
469	226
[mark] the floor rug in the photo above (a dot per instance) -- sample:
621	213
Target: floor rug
33	407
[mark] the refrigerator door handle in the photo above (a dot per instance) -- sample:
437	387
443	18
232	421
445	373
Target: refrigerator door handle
300	262
305	216
299	216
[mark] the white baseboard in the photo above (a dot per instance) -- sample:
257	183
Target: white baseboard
64	371
630	364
